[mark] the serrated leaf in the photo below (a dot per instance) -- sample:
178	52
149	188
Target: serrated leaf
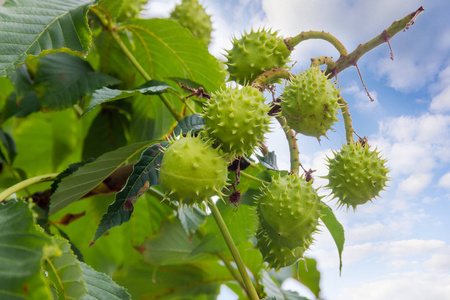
87	177
336	230
63	79
29	26
9	145
145	174
103	95
308	275
101	287
65	271
269	160
22	245
191	123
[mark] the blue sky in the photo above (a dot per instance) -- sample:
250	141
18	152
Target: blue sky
397	247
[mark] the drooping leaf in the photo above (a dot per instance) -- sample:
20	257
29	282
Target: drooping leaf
87	177
171	246
336	230
308	275
70	169
29	26
63	79
183	281
101	287
103	95
145	174
191	218
22	246
106	133
65	271
191	123
269	160
9	145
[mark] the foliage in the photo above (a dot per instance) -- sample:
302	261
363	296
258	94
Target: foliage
90	97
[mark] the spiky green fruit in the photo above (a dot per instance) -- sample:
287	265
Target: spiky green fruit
192	15
237	118
289	210
310	103
130	9
356	174
192	171
254	53
276	255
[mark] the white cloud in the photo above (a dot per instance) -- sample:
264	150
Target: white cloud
445	181
415	183
363	103
438	263
441	101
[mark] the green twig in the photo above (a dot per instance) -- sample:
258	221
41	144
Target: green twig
243	174
270	77
293	148
253	295
323	60
347	120
322	35
233	271
26	183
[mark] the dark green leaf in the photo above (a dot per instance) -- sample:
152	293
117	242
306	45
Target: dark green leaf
82	181
186	82
191	123
101	287
70	169
308	275
269	161
29	27
9	145
22	250
63	79
106	133
336	230
145	174
103	95
191	218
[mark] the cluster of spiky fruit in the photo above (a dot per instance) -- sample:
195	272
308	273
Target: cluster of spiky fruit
288	212
310	103
254	53
192	15
356	174
192	171
237	119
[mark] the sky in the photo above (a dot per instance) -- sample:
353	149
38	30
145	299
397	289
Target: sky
398	246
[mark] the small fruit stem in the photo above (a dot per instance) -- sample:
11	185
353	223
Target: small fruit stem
107	23
270	76
347	120
243	174
293	148
253	295
322	35
28	182
233	271
323	60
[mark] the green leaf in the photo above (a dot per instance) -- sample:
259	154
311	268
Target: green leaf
336	230
308	275
191	123
144	175
65	271
63	79
22	245
101	287
274	291
87	177
9	145
6	90
29	27
186	82
269	160
191	218
106	133
172	246
103	95
187	281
